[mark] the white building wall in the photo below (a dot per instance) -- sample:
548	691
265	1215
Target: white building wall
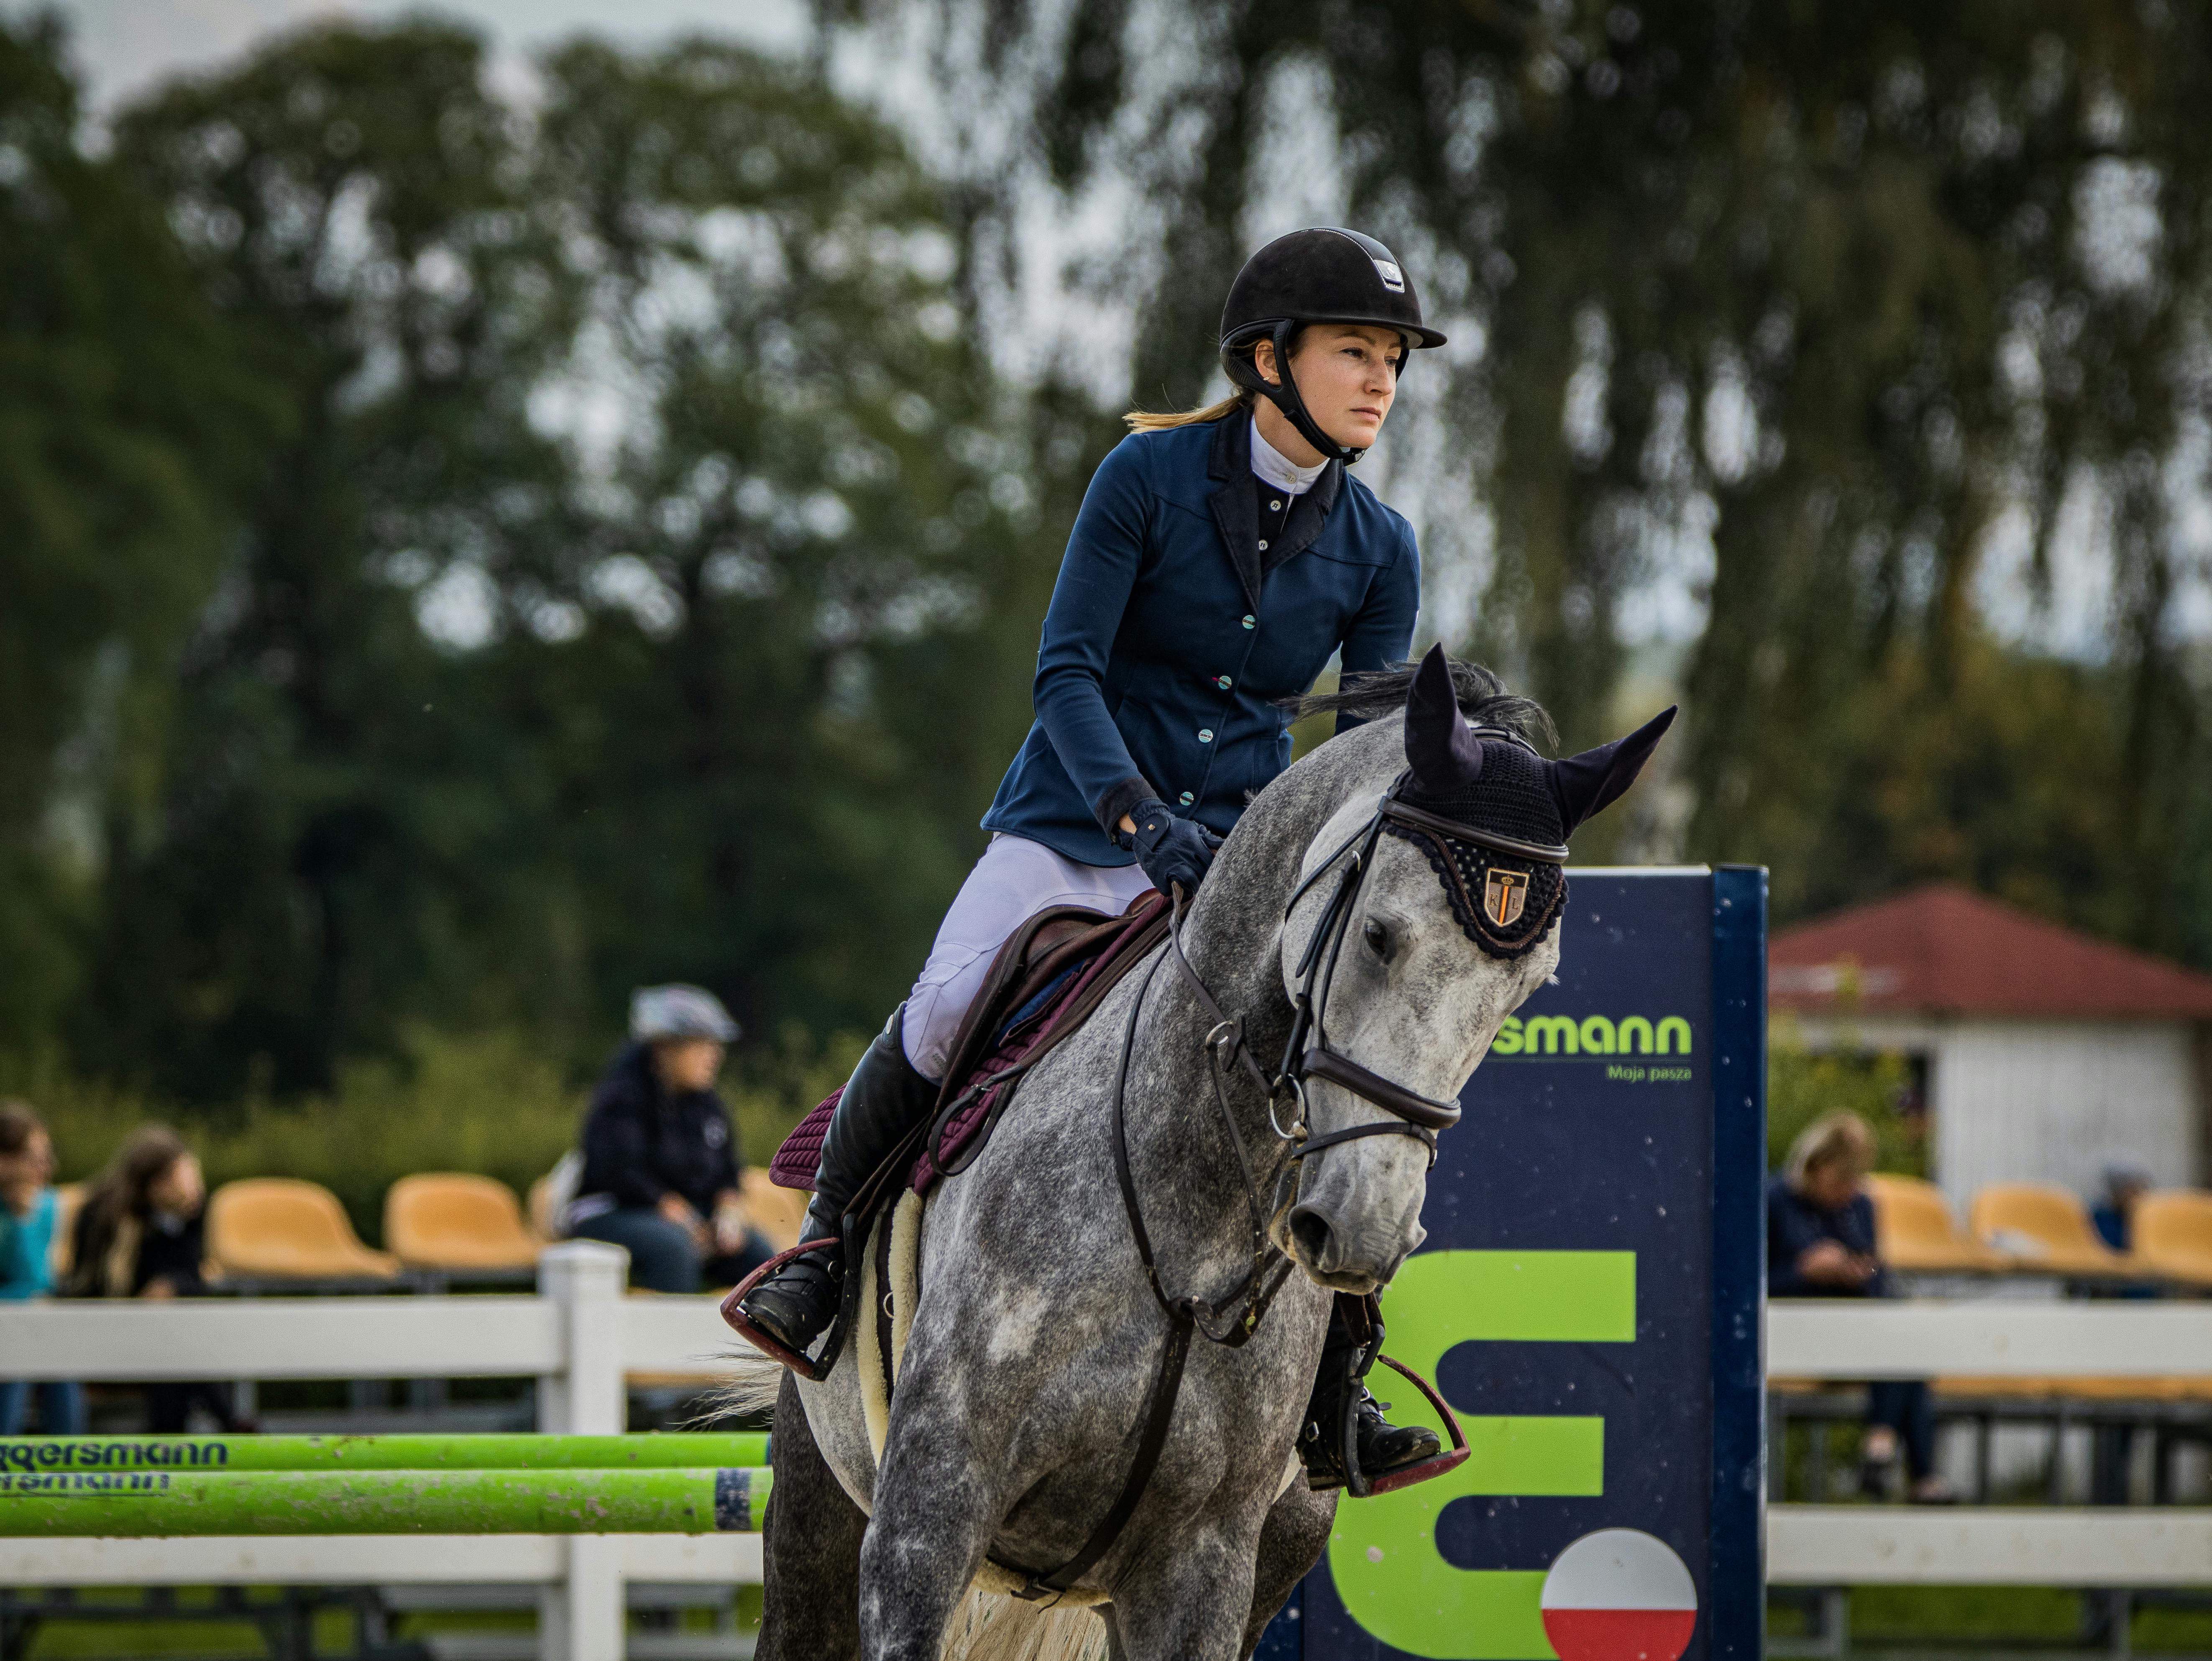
2048	1101
2015	1101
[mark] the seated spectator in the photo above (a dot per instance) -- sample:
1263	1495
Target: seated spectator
27	1210
660	1159
141	1233
2111	1216
1820	1244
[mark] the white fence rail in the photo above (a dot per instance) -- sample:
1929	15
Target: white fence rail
580	1336
1884	1338
1893	1545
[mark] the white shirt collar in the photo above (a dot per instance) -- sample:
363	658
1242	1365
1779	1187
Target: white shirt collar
1278	469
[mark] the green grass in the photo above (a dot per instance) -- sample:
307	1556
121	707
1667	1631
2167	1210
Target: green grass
1894	1617
165	1636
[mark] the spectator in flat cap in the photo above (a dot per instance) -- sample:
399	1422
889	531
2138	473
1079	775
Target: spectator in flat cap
661	1162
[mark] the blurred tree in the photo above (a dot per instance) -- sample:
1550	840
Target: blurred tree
128	430
807	610
1861	298
341	834
646	589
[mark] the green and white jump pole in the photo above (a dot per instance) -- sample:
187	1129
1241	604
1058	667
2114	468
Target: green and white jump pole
491	1451
164	1503
164	1486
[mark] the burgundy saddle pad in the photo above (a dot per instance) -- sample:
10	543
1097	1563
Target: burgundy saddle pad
1047	977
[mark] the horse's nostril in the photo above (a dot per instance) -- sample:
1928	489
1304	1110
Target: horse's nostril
1311	1232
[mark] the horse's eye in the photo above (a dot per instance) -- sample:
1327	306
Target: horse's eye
1377	937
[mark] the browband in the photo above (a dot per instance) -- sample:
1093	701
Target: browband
1404	813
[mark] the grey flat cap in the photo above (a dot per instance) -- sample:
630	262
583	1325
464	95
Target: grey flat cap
679	1011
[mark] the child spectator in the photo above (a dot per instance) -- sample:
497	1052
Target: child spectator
27	1210
141	1233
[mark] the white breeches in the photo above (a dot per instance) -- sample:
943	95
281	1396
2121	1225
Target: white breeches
1014	880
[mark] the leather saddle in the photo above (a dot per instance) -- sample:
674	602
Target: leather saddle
1052	972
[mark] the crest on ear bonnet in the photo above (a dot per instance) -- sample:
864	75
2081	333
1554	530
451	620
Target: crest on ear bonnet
1446	756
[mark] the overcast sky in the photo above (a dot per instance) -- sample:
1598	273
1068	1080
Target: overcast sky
124	46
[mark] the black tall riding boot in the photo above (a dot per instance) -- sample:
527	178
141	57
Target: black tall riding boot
1355	1339
883	1099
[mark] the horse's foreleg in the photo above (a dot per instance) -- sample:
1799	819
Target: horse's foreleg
1290	1545
933	1517
1185	1598
811	1549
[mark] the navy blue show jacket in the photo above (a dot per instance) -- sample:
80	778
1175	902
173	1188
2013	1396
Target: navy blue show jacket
1171	635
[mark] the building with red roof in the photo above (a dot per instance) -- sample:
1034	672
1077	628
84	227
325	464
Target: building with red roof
2048	1055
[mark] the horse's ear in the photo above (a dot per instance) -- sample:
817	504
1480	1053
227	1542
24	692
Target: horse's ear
1445	756
1595	779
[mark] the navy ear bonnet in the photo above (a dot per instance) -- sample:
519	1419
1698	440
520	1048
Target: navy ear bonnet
1493	784
1506	905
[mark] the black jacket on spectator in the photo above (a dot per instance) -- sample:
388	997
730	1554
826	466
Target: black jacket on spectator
172	1250
640	1141
1794	1225
163	1248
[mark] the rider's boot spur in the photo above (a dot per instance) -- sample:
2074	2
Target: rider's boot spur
885	1099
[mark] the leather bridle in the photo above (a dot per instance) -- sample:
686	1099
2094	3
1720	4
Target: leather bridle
1308	1052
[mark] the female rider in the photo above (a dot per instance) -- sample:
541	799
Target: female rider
1221	556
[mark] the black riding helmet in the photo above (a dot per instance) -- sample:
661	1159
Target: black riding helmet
1319	276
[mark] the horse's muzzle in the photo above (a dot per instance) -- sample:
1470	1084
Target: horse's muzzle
1357	1255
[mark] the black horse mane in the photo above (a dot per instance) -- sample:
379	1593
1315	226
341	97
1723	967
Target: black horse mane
1483	699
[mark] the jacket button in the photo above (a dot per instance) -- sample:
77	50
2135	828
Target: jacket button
1223	682
1263	545
1250	622
1187	798
1274	508
1206	735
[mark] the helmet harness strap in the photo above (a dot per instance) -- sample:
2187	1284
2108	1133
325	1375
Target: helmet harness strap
1283	391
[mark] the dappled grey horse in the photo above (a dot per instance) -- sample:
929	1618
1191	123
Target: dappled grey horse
1037	1343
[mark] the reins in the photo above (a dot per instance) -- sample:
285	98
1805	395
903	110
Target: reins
1411	1114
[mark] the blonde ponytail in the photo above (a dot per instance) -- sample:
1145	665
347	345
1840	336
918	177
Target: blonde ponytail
1150	421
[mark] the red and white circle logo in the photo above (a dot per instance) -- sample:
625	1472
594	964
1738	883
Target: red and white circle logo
1619	1595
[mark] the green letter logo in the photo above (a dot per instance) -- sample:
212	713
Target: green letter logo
1383	1553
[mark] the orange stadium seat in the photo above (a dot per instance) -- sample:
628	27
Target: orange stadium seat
2171	1232
450	1221
285	1229
1917	1234
2047	1230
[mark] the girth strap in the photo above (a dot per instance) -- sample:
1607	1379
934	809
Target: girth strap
1158	1416
1185	1314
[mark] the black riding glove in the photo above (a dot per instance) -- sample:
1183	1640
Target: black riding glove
1171	849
